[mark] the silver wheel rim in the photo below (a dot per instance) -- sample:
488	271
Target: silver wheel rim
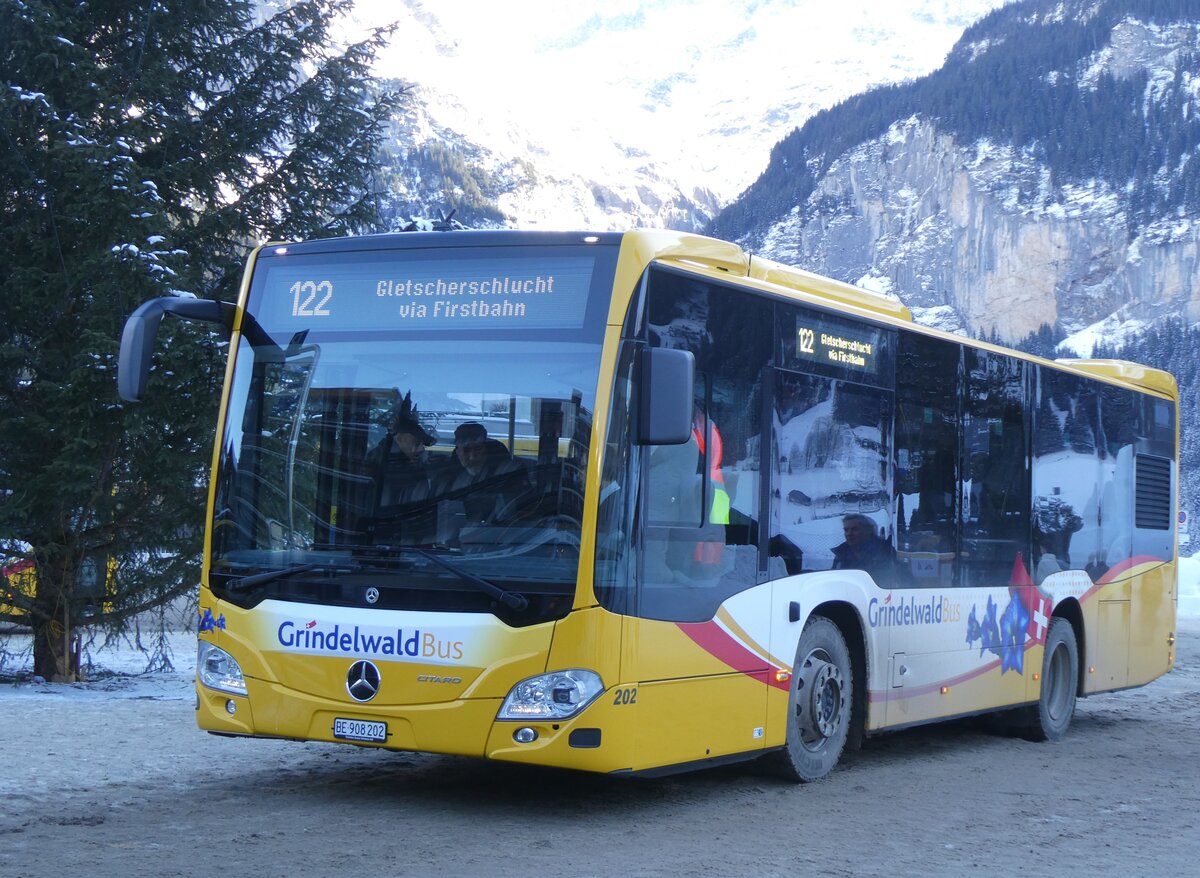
820	699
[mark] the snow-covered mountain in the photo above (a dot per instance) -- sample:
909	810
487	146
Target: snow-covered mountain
634	112
512	178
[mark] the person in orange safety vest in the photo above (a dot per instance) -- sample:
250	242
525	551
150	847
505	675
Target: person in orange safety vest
713	449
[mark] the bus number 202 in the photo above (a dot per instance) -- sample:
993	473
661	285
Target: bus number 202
305	292
625	696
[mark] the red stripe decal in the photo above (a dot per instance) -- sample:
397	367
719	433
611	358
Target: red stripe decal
718	643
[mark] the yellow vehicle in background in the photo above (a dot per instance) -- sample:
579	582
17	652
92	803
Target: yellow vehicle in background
18	586
17	580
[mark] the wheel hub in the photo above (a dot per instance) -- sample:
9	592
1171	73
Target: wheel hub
820	699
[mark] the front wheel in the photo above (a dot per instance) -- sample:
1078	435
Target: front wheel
820	703
1049	718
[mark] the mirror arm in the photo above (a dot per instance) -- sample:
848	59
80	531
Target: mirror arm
137	339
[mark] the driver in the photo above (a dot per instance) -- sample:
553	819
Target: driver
486	476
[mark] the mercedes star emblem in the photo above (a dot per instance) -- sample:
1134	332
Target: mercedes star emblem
372	595
362	681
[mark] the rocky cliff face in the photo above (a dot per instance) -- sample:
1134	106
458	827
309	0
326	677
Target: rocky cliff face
976	228
974	236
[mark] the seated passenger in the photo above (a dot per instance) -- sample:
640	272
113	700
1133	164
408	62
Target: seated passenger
400	465
865	550
403	483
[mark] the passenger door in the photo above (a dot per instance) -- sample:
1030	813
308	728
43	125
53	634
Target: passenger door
699	665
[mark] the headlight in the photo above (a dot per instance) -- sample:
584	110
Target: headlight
553	696
217	669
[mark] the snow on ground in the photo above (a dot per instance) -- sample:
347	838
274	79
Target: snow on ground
121	669
1113	330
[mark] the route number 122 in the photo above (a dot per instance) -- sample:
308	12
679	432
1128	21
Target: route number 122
305	292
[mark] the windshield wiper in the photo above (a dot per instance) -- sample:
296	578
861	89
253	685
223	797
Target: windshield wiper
248	582
508	598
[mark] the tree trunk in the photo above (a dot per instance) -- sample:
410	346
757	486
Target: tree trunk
54	658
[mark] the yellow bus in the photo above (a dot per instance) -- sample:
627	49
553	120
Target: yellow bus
730	509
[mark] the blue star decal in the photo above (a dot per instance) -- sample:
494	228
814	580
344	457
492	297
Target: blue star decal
208	623
1004	638
1012	633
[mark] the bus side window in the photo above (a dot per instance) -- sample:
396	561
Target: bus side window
996	472
927	374
830	461
1070	464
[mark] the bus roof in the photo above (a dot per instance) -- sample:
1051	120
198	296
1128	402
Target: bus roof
712	255
426	240
1154	380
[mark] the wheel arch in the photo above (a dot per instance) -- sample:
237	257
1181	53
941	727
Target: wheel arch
848	621
1069	609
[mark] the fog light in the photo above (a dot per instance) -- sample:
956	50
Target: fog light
525	735
230	707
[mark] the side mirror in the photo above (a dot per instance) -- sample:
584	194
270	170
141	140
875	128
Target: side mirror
137	339
665	391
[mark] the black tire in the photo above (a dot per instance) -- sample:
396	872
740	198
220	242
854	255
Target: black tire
820	704
1050	718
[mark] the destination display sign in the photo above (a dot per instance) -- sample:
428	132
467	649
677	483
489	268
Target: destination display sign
489	293
841	344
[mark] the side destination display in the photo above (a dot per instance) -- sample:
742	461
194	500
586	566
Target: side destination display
837	343
491	293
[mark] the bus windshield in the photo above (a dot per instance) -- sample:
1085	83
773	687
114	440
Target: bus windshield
381	454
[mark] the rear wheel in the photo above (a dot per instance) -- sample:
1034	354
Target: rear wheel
820	703
1049	719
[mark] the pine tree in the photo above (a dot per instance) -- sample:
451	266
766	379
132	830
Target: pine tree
144	147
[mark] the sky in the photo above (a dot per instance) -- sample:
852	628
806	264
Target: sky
700	88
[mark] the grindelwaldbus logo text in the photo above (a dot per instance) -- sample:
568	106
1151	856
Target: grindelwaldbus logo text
414	644
935	610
